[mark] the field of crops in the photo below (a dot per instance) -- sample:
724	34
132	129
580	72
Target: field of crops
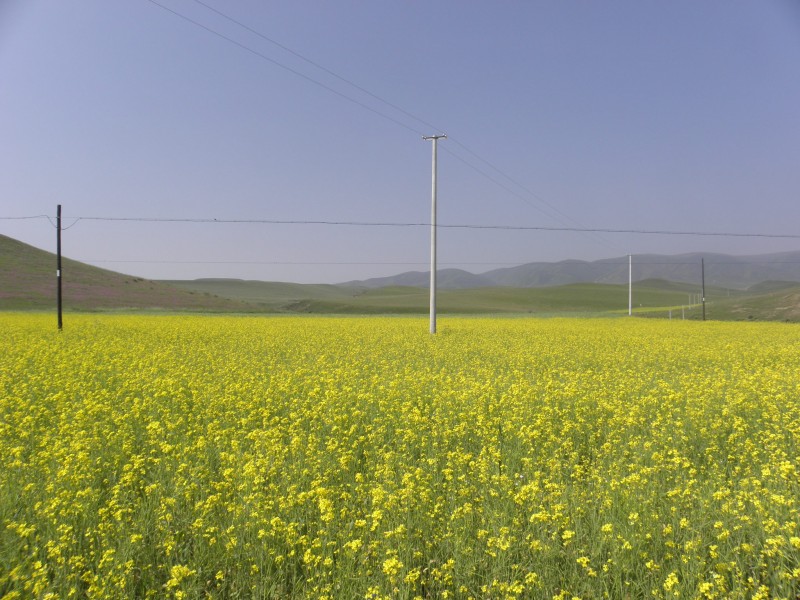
238	457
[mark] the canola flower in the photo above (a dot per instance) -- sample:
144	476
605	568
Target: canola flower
280	457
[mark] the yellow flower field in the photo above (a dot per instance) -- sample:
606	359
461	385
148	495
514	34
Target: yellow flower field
279	457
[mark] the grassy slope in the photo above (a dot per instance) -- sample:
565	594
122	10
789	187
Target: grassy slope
273	294
782	305
584	298
776	301
28	282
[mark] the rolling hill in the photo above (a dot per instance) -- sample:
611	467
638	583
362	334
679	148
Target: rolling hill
572	299
28	282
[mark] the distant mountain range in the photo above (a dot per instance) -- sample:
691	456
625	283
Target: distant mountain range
721	270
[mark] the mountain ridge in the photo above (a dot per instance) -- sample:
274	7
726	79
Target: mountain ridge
722	270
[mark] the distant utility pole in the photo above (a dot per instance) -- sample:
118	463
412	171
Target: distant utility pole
58	265
435	139
630	284
703	285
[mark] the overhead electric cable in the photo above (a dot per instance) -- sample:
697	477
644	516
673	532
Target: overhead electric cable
25	217
283	262
561	264
445	225
512	180
376	97
403	111
285	67
318	66
522	197
499	184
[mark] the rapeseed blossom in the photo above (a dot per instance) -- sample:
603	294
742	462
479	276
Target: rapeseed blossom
280	457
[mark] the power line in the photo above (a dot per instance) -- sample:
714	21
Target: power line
25	217
518	195
405	112
255	221
31	217
560	264
285	67
318	66
447	226
371	109
423	224
513	181
275	262
500	184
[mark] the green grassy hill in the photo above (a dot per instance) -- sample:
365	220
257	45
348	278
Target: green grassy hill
586	298
755	305
274	295
28	282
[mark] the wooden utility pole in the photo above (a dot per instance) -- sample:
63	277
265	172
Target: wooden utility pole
58	266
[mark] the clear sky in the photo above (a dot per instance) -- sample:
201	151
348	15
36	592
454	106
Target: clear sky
680	115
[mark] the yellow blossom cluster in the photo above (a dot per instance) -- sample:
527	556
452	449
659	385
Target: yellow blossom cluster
280	457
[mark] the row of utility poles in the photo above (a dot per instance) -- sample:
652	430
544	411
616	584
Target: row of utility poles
702	285
434	139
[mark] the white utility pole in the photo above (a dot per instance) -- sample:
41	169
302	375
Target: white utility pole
435	139
630	284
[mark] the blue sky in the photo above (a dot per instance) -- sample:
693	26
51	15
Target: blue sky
680	115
